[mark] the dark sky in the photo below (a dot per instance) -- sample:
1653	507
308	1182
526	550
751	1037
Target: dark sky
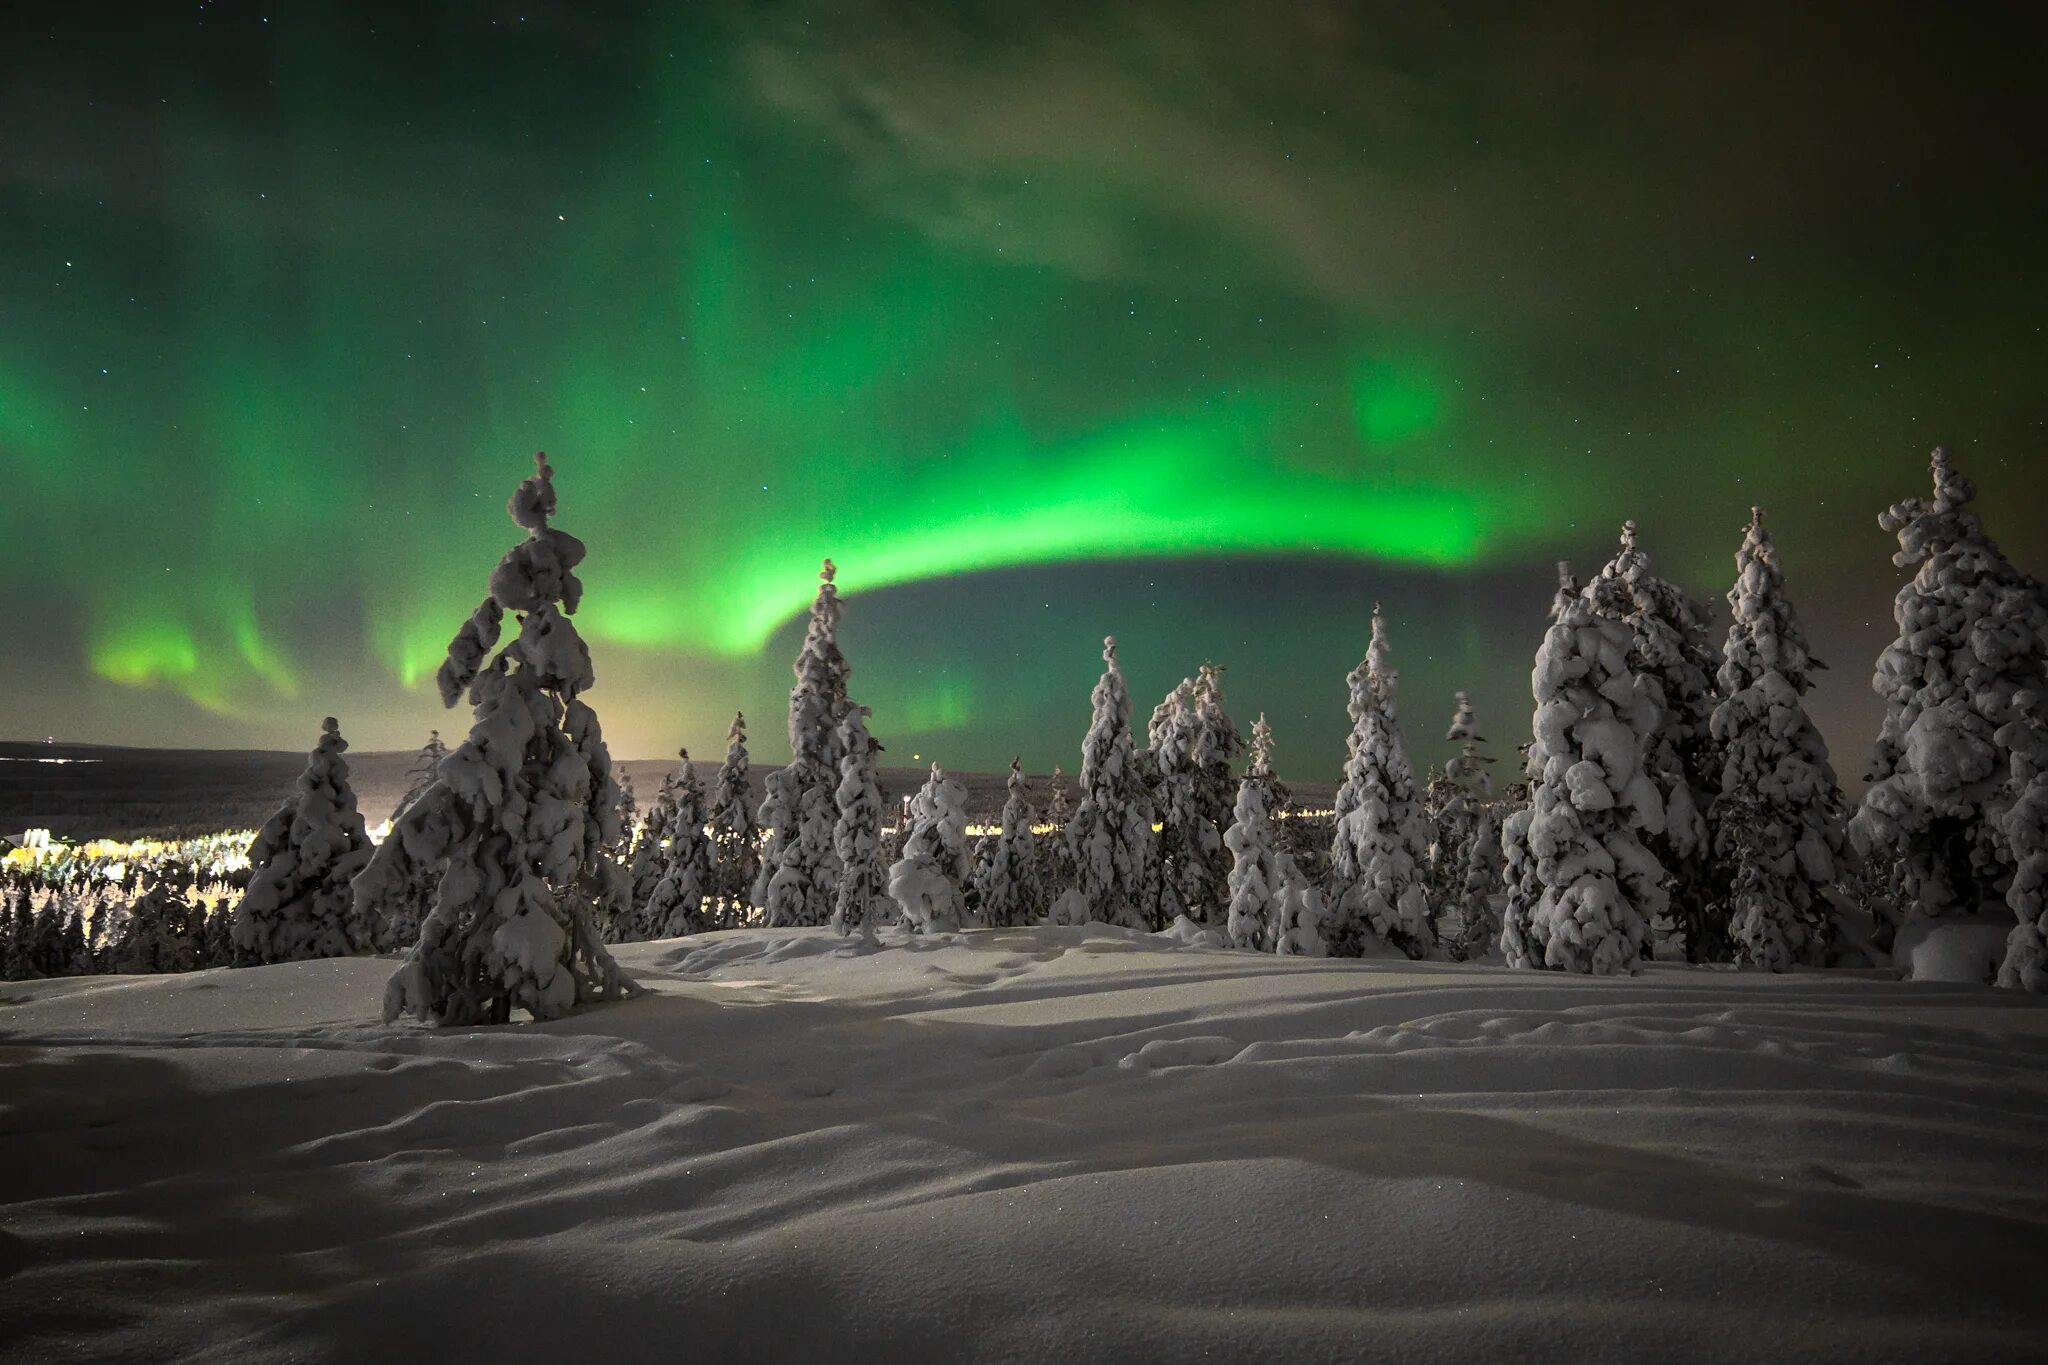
1203	324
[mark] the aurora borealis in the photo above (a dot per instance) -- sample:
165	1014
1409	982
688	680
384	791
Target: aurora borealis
1206	325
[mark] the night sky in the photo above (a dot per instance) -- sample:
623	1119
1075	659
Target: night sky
1203	324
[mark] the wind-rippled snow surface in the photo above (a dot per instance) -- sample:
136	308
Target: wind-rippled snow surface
1021	1145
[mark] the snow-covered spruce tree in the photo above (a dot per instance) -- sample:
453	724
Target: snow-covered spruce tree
1298	930
679	903
734	852
421	775
1109	836
1259	872
862	895
47	954
925	882
818	703
805	876
78	953
1059	802
1188	839
1465	862
1582	888
1214	746
1381	845
1055	857
298	904
1967	664
1195	744
799	872
11	910
1469	769
1518	861
524	812
21	941
981	851
647	861
1303	837
629	805
1672	652
2025	825
1010	890
400	926
216	936
1778	832
779	804
894	836
159	932
24	956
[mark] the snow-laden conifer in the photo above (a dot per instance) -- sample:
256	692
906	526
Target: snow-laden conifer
21	940
780	800
678	904
161	931
805	876
77	951
1671	651
1465	857
1778	817
1213	747
734	851
799	873
2025	826
216	937
629	805
299	904
1298	931
420	775
524	812
926	881
1967	664
1582	888
1193	745
1469	769
1189	838
49	955
1259	872
1381	846
399	927
894	836
981	852
647	861
1059	802
818	702
1055	855
1010	892
862	895
1110	834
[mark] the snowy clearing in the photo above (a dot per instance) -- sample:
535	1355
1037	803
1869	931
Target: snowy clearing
1027	1144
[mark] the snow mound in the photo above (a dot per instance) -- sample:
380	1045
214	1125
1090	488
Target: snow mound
1189	934
1962	948
1097	1144
1165	1052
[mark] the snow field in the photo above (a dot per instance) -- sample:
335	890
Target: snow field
1027	1144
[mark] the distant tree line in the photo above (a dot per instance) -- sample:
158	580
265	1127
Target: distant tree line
1669	796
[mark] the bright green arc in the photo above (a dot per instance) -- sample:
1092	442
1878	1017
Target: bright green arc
1113	498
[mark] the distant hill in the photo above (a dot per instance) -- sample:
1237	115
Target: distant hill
106	791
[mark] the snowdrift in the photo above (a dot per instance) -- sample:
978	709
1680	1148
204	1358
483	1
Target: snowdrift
1027	1145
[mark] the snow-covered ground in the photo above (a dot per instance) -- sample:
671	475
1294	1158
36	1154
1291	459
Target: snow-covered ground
1031	1144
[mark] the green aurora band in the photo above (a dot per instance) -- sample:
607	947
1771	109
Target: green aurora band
290	338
